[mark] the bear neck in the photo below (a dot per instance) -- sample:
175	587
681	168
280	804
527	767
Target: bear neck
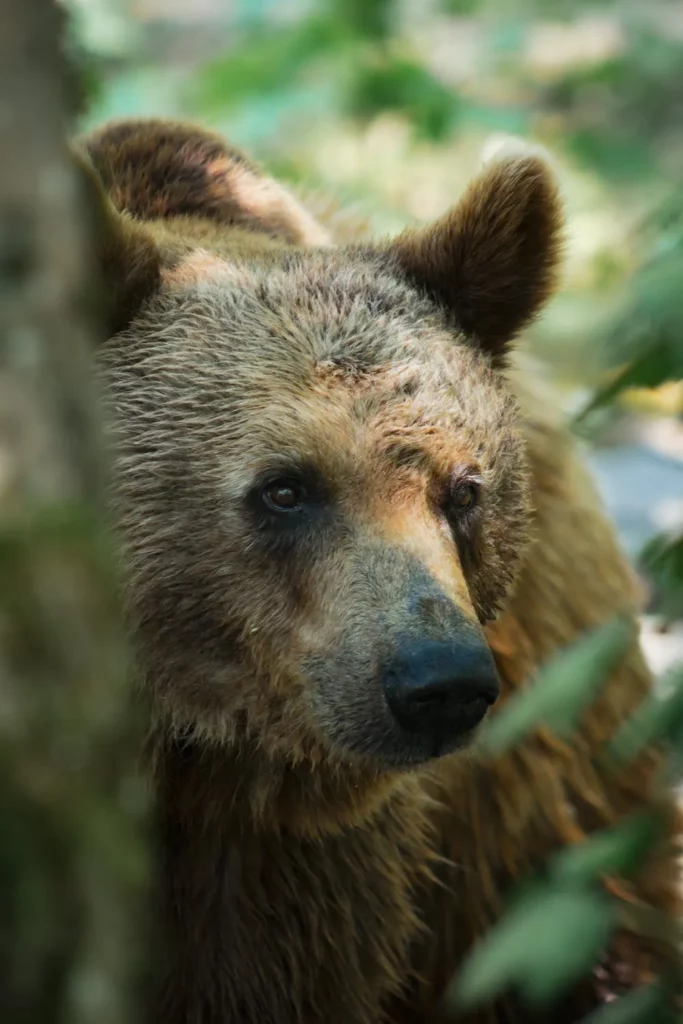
267	923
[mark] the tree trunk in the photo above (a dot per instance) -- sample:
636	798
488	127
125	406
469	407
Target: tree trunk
72	843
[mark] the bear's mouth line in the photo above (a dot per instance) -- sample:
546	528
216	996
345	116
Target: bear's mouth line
401	750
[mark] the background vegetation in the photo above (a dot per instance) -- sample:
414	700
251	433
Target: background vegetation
386	105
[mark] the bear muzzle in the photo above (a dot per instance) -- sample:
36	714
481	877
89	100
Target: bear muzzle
438	692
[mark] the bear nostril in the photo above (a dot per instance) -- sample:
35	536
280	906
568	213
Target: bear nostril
472	698
413	706
429	696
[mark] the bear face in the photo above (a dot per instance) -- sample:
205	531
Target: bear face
320	483
313	476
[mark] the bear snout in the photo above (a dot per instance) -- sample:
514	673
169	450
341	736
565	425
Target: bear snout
439	691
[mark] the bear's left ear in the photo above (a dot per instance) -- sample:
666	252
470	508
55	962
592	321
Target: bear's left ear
492	261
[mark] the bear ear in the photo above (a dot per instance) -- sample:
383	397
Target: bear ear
158	169
125	252
492	261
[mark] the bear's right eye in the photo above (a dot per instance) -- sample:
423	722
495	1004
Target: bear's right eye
283	495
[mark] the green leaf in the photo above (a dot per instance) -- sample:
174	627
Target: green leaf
369	19
655	365
563	688
541	947
662	560
619	850
384	82
656	720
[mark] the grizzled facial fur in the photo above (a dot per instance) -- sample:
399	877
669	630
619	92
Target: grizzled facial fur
320	484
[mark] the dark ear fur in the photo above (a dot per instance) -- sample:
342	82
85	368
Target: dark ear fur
492	261
124	251
157	169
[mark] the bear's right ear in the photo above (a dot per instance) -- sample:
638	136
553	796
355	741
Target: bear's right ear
125	252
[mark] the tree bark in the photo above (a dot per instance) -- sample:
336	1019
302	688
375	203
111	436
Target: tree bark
72	808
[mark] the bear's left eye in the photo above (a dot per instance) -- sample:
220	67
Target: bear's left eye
464	496
283	495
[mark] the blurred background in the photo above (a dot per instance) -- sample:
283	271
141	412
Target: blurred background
385	106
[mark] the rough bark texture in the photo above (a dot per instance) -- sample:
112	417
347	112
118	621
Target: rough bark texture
72	863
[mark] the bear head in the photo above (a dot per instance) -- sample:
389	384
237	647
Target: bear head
320	480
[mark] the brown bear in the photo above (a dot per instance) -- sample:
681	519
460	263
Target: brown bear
349	524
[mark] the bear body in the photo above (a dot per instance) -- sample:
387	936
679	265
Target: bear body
348	524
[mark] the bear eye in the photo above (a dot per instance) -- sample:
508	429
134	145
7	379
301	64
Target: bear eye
464	496
283	495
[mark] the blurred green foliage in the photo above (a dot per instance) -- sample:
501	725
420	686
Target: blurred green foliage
567	683
392	82
546	941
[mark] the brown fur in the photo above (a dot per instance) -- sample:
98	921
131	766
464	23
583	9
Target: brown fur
318	867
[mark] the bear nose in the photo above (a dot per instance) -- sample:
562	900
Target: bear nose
441	690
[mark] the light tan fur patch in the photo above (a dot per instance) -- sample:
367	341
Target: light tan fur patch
203	267
266	201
